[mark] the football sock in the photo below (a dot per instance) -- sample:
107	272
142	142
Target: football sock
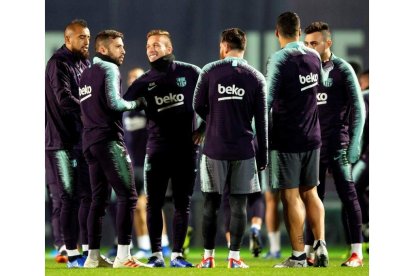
274	241
234	255
357	248
208	253
123	251
144	242
174	255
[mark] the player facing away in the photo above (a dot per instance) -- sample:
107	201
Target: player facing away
168	89
67	173
104	148
230	94
338	96
293	76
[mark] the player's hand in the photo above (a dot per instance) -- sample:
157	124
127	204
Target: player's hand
353	153
198	138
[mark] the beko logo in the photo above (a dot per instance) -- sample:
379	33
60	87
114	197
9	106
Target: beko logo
172	99
236	92
311	78
85	92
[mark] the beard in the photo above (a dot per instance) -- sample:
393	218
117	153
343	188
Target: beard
81	54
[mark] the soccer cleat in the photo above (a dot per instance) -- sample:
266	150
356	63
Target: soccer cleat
353	261
180	262
102	261
61	259
273	255
293	261
130	262
61	255
321	254
207	263
310	261
142	253
79	262
236	264
255	242
154	261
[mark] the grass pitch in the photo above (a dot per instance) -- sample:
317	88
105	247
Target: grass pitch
258	266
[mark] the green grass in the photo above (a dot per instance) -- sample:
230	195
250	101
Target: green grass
258	266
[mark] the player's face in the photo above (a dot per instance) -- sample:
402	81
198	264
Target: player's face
157	47
316	41
116	50
78	41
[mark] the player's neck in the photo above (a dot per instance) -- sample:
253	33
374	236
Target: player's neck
284	40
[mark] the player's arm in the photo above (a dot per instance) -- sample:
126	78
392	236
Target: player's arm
358	109
261	126
59	77
200	99
113	93
273	78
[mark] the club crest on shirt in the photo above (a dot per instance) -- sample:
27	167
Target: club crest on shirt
181	82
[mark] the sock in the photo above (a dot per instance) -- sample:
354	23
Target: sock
234	255
144	242
257	226
72	252
164	240
123	251
297	254
94	254
274	241
85	248
158	255
208	253
357	248
175	255
308	250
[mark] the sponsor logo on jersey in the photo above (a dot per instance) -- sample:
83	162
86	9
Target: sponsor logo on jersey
311	79
322	98
171	100
85	92
230	92
151	86
181	82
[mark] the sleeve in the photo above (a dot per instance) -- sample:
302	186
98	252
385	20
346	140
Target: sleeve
200	99
273	79
112	90
261	124
358	109
60	82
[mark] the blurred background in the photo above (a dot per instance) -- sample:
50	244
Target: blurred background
195	27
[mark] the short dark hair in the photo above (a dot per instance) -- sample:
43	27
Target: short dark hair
235	38
319	26
104	36
76	22
160	32
288	24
